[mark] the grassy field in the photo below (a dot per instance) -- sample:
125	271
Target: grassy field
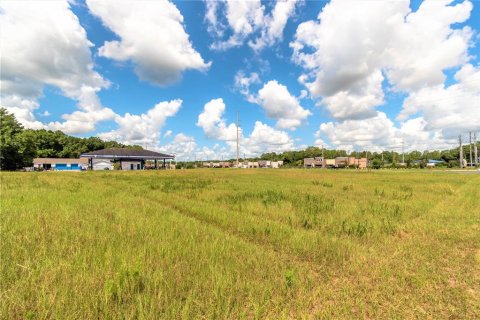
240	244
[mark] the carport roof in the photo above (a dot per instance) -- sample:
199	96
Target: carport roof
126	153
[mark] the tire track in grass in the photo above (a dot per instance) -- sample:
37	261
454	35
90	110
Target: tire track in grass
430	272
272	234
459	226
308	273
450	233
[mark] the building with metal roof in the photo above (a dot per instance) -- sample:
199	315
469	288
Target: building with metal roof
127	158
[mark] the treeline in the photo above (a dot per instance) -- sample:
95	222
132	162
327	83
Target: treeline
295	158
19	146
378	159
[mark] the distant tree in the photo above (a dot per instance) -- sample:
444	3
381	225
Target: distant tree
453	163
272	156
10	128
414	155
19	146
26	148
377	163
311	152
423	163
448	156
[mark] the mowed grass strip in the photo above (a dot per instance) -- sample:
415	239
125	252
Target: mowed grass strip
240	244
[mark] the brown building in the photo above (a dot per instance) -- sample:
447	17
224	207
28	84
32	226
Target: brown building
361	163
341	162
317	162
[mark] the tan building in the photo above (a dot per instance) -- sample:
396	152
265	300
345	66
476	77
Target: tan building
226	164
329	163
316	162
343	162
308	162
276	164
361	163
60	164
338	162
251	164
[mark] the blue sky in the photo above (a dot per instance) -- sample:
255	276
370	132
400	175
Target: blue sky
171	76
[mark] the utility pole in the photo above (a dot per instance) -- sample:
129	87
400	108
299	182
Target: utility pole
403	152
461	151
237	139
475	147
323	158
470	147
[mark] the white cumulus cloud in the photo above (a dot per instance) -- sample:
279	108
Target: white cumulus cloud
380	133
274	24
247	19
43	44
452	109
377	131
243	83
143	129
152	35
183	147
266	139
212	122
354	45
279	104
262	139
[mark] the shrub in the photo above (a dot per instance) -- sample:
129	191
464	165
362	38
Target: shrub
289	278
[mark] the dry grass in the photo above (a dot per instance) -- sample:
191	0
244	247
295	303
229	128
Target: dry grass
240	244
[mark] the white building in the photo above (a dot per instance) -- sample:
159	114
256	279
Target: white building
102	164
276	164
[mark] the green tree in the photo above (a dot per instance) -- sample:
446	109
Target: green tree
26	147
377	163
10	156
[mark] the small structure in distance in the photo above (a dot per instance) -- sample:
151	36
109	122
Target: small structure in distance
338	162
